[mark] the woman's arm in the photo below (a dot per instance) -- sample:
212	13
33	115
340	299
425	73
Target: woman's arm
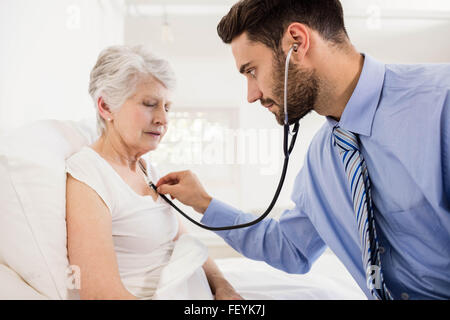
90	245
220	287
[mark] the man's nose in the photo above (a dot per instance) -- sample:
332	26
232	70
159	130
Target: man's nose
253	92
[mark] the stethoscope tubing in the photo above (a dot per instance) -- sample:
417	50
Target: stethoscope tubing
274	200
287	151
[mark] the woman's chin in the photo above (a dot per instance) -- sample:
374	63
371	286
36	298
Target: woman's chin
152	141
152	146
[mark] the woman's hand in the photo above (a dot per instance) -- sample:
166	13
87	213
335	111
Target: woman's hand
186	188
226	292
220	287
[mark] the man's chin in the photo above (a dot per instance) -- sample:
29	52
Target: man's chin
279	116
280	119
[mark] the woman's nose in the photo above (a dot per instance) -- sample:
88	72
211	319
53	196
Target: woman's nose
160	116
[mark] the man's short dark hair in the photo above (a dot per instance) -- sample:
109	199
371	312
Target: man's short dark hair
265	21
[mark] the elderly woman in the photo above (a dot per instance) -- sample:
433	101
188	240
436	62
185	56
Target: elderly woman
121	234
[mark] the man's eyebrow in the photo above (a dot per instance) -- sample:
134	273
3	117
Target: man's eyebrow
243	67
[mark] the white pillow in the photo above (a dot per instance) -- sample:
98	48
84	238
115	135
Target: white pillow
33	239
14	288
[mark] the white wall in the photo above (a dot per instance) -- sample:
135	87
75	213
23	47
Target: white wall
47	50
400	31
393	31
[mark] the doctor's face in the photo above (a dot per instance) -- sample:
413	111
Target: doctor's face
264	71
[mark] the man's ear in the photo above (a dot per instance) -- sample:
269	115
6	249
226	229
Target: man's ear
300	34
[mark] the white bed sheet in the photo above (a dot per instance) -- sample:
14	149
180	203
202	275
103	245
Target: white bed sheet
327	280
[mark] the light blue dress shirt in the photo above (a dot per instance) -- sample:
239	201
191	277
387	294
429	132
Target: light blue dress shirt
402	116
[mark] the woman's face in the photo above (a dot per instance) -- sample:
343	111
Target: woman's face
143	118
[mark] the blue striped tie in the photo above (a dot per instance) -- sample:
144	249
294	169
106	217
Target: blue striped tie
358	178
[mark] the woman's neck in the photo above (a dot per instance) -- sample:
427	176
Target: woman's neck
116	152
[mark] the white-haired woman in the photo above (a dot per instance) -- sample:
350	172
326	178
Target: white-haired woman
121	234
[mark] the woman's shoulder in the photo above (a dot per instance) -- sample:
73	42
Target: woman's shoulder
85	161
86	166
84	153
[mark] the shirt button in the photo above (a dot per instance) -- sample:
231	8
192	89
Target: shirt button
381	249
405	296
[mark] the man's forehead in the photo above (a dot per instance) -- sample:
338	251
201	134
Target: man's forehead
244	50
241	41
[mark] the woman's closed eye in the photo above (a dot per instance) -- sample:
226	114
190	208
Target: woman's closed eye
150	104
155	104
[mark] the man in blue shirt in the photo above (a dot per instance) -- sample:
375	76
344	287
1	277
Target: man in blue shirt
398	117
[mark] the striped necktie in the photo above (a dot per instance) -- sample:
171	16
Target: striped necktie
358	179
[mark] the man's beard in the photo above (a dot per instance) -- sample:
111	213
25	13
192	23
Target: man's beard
303	88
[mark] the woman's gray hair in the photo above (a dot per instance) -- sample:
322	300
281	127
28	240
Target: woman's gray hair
117	73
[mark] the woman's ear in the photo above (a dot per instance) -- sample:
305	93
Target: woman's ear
103	109
296	34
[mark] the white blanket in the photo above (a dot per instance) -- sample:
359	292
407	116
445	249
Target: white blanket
327	280
183	278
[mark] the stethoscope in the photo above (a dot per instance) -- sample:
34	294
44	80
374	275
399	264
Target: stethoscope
287	152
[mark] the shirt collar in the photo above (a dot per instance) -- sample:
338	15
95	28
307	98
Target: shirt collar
360	110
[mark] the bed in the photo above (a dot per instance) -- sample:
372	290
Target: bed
327	280
33	252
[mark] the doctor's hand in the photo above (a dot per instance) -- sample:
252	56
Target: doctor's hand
185	186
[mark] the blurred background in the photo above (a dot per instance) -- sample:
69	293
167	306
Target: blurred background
48	47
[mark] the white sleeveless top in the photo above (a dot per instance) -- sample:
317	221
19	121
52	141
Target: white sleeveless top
142	229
